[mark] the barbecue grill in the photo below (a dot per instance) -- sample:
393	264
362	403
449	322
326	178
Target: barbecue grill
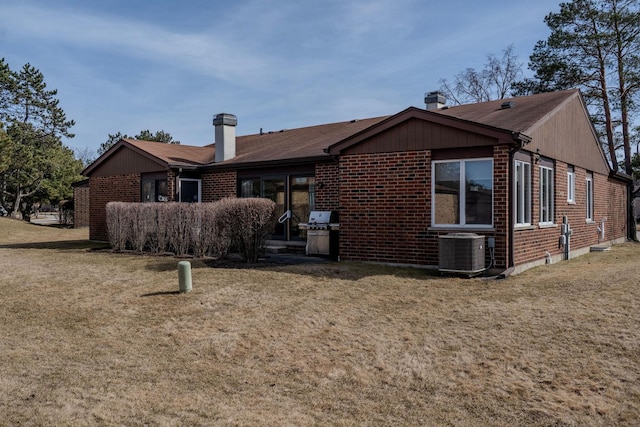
322	233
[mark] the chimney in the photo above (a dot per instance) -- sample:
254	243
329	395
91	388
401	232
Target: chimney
434	100
225	136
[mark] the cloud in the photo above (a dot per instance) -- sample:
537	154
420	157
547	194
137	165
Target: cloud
212	53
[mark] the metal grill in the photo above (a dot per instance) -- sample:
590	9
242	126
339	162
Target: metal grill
322	233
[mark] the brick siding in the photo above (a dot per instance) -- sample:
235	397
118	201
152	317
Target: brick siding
327	187
217	185
609	196
105	189
81	206
384	206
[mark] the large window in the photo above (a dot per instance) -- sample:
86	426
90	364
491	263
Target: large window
571	185
546	195
589	196
522	183
463	193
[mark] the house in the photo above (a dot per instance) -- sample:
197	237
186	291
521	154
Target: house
510	170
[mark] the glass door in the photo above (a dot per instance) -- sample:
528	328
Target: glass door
301	202
274	189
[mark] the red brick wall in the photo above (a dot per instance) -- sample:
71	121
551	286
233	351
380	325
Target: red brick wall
384	207
104	189
217	185
171	185
81	206
609	201
327	187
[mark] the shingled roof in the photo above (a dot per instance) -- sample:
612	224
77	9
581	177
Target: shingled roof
295	144
518	114
176	154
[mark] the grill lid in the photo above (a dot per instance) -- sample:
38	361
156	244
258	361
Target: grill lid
319	217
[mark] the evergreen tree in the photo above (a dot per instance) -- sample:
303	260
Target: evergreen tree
34	165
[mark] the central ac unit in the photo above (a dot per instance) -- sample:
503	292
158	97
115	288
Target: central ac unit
461	253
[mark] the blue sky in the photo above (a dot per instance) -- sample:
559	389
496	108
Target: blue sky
128	65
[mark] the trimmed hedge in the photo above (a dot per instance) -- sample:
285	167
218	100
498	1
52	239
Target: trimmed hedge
198	229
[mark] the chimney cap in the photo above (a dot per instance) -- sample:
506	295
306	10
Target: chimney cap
434	99
225	119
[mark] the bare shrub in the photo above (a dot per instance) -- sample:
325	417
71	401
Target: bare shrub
218	236
117	225
179	227
250	222
142	224
198	229
157	239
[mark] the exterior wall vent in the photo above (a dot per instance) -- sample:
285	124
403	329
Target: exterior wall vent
461	253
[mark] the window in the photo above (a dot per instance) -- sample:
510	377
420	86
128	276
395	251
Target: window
546	195
154	190
522	182
589	196
571	185
189	190
463	193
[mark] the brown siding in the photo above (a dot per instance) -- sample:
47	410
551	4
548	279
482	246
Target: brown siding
126	161
121	188
417	134
567	136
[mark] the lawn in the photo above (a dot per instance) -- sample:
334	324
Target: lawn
90	337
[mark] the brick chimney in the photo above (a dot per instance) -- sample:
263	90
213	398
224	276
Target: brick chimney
225	136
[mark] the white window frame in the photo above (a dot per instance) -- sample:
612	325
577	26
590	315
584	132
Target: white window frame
463	201
199	181
571	184
546	197
522	198
589	197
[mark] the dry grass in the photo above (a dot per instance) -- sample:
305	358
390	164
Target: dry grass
92	337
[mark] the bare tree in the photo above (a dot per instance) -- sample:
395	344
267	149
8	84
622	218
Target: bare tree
493	81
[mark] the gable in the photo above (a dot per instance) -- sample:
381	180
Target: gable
416	129
567	135
126	161
415	134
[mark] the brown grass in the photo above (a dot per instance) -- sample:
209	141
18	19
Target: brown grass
92	337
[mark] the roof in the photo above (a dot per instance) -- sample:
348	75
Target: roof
523	114
176	154
169	155
302	143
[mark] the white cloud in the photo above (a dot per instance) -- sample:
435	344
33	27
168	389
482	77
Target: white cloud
209	53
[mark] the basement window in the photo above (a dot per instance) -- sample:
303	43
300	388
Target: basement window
462	193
